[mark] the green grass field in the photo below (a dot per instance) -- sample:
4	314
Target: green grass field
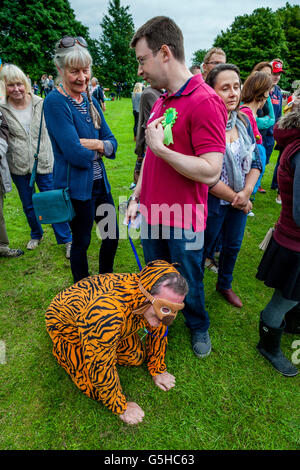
231	400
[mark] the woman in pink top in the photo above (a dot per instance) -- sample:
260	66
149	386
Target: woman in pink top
255	93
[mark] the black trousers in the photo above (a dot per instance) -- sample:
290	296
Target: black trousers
136	120
100	208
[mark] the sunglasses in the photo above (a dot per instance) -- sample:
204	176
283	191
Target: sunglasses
165	310
69	41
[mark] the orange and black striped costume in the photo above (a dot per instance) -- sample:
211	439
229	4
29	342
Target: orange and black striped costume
93	328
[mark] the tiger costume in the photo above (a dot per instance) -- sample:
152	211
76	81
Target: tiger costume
94	327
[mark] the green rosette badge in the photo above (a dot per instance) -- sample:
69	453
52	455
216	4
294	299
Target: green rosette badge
170	117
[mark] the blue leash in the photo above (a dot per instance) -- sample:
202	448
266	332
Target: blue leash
133	248
140	267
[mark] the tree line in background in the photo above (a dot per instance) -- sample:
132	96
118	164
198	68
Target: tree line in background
29	30
263	35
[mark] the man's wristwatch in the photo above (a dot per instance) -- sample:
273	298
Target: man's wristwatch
132	198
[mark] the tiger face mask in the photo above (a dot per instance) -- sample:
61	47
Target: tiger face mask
165	310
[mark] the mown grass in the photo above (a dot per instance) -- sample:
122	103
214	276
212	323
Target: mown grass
231	400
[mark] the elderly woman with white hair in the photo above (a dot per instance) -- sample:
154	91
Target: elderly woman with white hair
80	139
22	111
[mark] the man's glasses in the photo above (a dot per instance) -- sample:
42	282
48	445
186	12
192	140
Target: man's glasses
141	60
69	41
214	62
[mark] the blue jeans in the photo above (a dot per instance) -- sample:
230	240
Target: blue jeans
216	248
175	246
231	222
81	226
45	183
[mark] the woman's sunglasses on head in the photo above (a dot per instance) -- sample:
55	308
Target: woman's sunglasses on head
69	41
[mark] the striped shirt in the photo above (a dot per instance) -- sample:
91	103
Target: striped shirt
108	148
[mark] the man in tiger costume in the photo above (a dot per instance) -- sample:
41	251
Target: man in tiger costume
95	325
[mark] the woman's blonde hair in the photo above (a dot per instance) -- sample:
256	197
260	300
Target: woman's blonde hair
138	88
2	92
79	57
10	73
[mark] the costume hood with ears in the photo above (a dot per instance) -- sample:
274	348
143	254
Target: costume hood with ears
153	271
149	275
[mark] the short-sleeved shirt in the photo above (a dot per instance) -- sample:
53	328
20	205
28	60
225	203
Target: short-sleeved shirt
199	129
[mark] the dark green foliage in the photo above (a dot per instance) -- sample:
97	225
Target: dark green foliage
198	56
290	21
263	35
118	62
253	38
29	30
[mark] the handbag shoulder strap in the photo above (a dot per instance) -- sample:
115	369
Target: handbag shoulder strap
34	169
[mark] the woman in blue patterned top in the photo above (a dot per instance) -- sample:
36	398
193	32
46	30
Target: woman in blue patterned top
80	138
229	200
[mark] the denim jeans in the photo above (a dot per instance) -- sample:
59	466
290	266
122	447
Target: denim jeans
186	248
44	183
231	222
86	213
216	248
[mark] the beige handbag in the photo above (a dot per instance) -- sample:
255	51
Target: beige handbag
264	244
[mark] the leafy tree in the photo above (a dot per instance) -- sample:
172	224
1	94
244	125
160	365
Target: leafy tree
198	56
29	30
289	17
253	38
118	63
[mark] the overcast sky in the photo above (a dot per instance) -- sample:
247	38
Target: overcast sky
200	20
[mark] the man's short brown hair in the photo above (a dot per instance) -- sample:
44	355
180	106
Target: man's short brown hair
213	50
158	31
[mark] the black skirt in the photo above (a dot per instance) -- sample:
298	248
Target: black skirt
280	269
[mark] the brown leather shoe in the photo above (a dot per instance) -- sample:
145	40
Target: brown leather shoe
230	296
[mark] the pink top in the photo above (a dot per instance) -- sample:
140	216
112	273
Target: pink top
252	120
167	197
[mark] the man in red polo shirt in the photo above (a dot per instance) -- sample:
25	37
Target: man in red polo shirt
185	140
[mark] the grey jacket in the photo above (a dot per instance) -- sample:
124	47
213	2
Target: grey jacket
22	146
5	178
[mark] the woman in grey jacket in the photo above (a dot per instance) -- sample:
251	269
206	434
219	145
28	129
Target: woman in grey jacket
22	112
5	187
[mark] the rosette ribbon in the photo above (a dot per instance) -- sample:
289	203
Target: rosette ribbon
170	117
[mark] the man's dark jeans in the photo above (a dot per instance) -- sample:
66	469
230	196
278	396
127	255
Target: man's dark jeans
176	246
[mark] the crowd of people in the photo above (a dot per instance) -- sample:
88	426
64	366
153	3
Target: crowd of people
203	140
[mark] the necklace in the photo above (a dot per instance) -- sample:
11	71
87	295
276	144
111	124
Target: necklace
69	96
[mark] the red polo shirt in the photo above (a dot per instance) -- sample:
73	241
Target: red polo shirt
167	197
